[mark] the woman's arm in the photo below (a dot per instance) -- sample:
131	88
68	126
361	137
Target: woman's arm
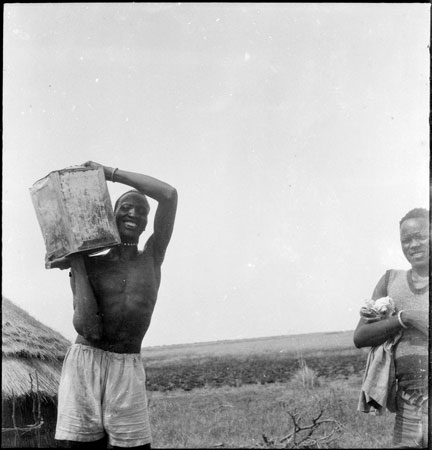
86	319
376	333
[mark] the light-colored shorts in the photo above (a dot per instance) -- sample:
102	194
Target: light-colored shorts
102	393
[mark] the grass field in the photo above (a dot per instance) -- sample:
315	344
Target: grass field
240	417
250	361
243	394
246	393
313	343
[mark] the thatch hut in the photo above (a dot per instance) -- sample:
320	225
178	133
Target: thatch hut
32	356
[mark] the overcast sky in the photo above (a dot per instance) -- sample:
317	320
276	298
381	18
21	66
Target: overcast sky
296	135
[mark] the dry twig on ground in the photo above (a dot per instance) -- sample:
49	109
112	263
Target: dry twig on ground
304	436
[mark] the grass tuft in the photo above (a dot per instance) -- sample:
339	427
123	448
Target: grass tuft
304	377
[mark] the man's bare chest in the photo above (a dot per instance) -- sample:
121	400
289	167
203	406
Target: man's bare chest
137	278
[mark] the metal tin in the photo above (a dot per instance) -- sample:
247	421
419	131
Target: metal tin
74	211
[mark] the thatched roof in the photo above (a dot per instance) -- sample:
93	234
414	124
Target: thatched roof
29	348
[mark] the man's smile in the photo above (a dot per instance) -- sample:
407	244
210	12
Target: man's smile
130	225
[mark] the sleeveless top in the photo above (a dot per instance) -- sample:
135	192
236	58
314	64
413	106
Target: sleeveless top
411	353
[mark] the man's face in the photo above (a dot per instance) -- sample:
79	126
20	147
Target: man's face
414	234
131	217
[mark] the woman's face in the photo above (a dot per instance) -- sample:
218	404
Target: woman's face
414	235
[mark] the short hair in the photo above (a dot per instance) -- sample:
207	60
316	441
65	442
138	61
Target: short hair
133	191
416	213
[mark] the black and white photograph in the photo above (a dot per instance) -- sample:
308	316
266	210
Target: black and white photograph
216	225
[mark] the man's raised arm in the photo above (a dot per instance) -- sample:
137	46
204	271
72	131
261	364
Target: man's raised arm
162	192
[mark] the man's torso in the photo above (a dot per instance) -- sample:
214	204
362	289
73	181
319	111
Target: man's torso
126	292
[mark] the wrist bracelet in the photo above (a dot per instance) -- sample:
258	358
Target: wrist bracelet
400	319
112	175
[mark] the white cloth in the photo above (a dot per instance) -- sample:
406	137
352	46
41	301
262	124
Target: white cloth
378	390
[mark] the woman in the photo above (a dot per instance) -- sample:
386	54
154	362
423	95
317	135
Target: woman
410	293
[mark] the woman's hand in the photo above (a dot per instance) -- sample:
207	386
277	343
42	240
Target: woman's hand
416	319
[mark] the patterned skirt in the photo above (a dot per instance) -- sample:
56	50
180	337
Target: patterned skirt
411	424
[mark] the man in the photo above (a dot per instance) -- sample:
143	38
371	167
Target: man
410	293
102	396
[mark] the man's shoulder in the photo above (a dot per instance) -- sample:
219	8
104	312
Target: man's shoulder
148	246
103	256
92	261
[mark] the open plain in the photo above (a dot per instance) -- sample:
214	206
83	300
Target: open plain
296	391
